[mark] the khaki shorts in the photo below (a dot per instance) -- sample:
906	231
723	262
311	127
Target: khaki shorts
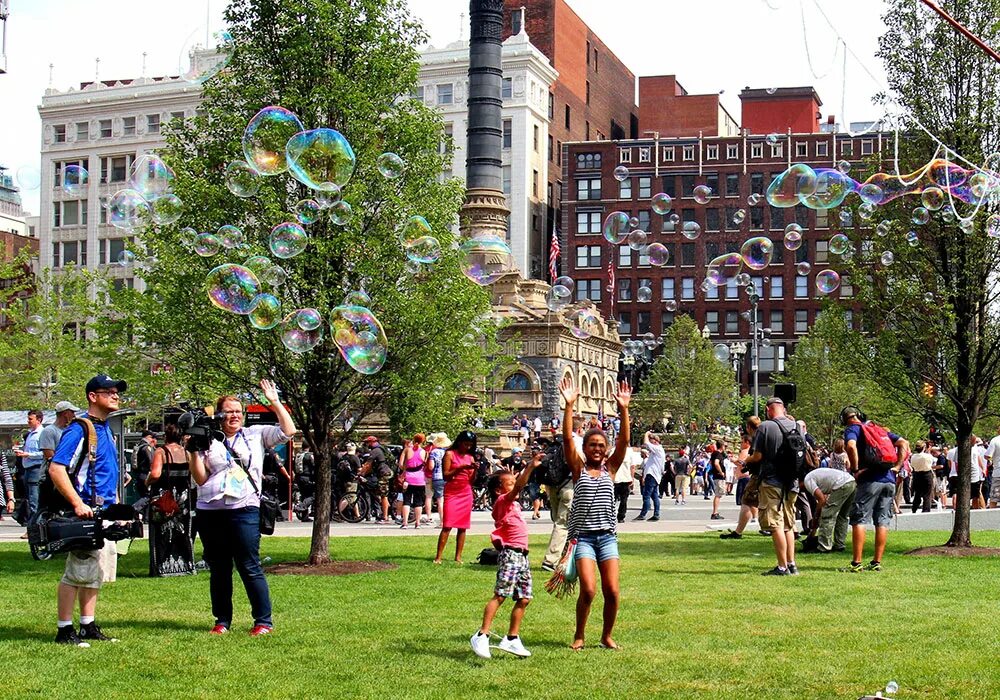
774	513
89	568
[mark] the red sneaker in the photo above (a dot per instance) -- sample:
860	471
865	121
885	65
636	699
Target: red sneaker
260	630
220	629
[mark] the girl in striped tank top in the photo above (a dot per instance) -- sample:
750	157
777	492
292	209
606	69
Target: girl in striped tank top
592	520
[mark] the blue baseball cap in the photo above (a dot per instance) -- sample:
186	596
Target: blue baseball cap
103	381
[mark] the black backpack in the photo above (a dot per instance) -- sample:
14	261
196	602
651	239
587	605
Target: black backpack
50	500
790	461
556	467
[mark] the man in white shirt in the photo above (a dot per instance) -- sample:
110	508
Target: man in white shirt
834	492
993	453
652	472
978	473
922	463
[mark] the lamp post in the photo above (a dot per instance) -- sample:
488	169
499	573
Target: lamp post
737	350
758	336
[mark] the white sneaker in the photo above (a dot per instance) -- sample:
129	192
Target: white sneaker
481	645
514	646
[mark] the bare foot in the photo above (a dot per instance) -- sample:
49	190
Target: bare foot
609	643
437	561
577	645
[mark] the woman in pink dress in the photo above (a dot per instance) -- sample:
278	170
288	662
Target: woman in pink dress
459	467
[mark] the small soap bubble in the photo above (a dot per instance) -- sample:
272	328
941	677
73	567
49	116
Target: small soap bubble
616	227
307	211
274	276
360	338
620	173
721	352
743	279
583	323
207	244
485	259
753	200
563	287
241	179
230	236
637	239
723	268
425	249
844	167
320	157
295	338
793	236
702	193
888	258
266	312
932	198
883	228
390	165
29	177
127	209
633	222
34	324
150	176
167	209
839	243
287	240
912	238
661	203
308	319
920	216
644	294
341	213
891	688
670	305
658	254
187	237
803	269
756	252
126	258
691	230
772	139
871	193
74	179
846	217
827	281
739	216
328	196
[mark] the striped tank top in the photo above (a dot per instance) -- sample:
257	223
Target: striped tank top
593	508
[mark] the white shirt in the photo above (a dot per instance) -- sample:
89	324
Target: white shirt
730	469
826	480
993	450
249	445
978	462
538	424
952	457
922	462
654	462
624	473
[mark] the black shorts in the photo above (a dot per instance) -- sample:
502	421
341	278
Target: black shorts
414	496
952	485
977	490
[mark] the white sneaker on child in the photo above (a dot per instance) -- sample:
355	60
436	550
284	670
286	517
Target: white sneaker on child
514	646
481	645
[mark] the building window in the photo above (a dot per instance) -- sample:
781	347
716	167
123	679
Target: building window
642	321
712	322
645	187
801	149
687	288
517	382
507	89
644	216
417	93
777	150
846	148
777	321
105	128
777	218
668	152
82	131
867	147
445	94
625	290
687	185
732	185
711	292
822	252
128	126
712	152
59	133
846	288
589	188
757	217
822	149
644	154
625	323
688	153
588	161
732	322
534	137
801	286
588	256
588	290
588	222
625	189
551	152
732	289
801	321
55	255
595	60
552	105
687	254
733	151
777	287
507	138
624	256
56	215
644	260
568	120
588	92
667	288
506	179
152	123
711	219
712	182
822	218
69	253
756	150
180	115
624	155
534	184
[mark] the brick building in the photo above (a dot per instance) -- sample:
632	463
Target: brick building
666	108
733	167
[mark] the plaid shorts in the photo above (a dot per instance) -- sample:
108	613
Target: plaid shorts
513	576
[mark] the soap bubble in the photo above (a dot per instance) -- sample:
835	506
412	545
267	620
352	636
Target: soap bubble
187	237
993	226
691	230
274	276
195	64
702	193
756	252
230	236
554	302
723	268
888	258
830	190
788	189
359	337
920	216
616	227
326	198
637	239
341	213
126	258
932	198
485	259
74	179
670	305
644	295
319	157
563	287
390	165
803	269
979	185
307	211
674	218
739	216
207	244
658	254
871	193
233	288
411	267
265	138
425	249
287	240
167	209
295	338
827	281
266	312
308	319
866	210
661	203
241	179
649	340
150	176
846	217
929	297
839	243
415	227
891	688
966	225
633	222
257	264
721	352
620	173
743	279
947	215
883	228
912	238
771	90
34	324
772	139
583	323
843	167
357	297
29	177
793	236
753	200
126	209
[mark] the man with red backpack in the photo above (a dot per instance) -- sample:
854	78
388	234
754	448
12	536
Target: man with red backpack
875	456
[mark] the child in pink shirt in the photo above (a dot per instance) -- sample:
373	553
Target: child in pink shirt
513	570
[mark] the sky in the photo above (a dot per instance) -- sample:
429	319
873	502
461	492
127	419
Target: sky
711	45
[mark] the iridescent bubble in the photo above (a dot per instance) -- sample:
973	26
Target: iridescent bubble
661	203
74	179
167	209
912	238
230	236
947	215
871	193
979	185
721	352
616	227
702	193
187	237
319	157
756	252
739	216
706	285
308	319
583	323
233	288
555	303
425	249
341	213
832	188
658	254
883	228
257	264
357	298
846	217
843	167
390	165
932	198
827	281
359	337
691	230
993	226
866	210
411	267
126	209
241	179
803	269
723	268
637	239
753	200
920	216
485	259
415	227
788	189
29	177
266	312
126	258
207	244
265	138
287	240
670	305
743	279
620	173
644	295
563	287
887	258
326	198
674	218
34	324
839	243
929	297
772	139
633	222
966	225
793	236
197	66
150	176
649	340
307	211
274	276
296	339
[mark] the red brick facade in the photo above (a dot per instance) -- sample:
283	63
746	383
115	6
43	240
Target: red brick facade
784	110
666	107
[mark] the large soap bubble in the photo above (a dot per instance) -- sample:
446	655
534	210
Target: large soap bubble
295	338
288	240
827	281
265	138
756	252
485	259
196	64
150	176
126	209
266	312
319	158
723	268
584	322
616	227
233	288
167	209
359	337
74	179
797	181
241	179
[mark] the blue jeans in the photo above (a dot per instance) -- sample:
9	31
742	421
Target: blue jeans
650	492
233	537
32	477
597	546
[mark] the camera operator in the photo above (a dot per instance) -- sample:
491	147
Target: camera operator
96	485
229	475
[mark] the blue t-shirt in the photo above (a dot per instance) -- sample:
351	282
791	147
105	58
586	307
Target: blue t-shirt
105	470
853	432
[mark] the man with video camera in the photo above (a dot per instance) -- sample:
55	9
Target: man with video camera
95	484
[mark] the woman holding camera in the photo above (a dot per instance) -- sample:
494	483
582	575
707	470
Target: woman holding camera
229	475
170	547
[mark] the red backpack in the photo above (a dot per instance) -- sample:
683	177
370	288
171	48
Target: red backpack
878	451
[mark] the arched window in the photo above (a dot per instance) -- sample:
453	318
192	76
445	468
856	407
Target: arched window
517	382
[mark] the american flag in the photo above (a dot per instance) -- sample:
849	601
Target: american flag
611	277
554	257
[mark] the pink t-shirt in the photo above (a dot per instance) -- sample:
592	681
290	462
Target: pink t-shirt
415	468
511	530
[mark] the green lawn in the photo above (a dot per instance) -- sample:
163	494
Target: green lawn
697	621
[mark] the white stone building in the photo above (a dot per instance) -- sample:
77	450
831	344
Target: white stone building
527	75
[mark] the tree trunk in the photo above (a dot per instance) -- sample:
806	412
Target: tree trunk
319	547
960	535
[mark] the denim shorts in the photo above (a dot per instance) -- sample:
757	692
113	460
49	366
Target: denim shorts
438	486
873	502
599	546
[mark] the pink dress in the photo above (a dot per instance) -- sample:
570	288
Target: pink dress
458	493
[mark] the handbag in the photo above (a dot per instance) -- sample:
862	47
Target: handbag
163	507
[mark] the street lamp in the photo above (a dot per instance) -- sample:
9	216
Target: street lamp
758	336
737	350
706	333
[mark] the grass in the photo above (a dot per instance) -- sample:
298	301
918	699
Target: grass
697	621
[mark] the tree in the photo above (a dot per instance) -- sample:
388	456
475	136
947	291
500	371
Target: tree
340	64
931	314
687	382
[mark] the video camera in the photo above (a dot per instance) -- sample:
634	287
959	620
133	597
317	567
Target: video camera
201	429
54	533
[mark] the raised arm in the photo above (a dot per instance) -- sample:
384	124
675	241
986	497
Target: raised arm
567	387
622	397
525	475
284	420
